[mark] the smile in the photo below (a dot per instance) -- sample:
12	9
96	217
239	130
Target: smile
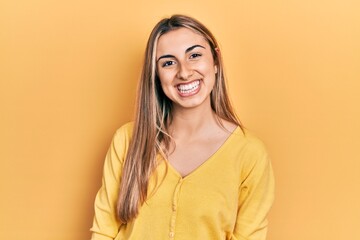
188	88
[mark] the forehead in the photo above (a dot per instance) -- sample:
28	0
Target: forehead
179	40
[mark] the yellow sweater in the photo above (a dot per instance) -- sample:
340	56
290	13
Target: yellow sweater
227	197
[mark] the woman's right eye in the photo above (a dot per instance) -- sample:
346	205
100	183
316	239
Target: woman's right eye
168	63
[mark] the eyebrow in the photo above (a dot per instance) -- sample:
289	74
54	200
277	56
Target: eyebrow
186	51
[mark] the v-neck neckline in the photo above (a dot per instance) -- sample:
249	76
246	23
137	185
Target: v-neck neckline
206	162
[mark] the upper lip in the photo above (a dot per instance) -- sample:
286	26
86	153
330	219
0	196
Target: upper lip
185	83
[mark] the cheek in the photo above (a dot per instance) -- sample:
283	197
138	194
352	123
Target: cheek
165	78
165	84
209	72
207	67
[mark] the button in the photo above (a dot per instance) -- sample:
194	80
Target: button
172	234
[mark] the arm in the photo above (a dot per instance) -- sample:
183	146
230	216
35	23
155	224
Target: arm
256	195
105	224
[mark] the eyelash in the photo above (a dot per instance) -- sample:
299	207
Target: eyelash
192	56
166	64
195	55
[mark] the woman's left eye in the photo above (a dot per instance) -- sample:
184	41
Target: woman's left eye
195	55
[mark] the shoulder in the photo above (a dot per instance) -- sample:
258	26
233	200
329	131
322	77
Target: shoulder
252	158
122	137
125	130
253	143
245	140
249	148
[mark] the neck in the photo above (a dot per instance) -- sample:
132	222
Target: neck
187	122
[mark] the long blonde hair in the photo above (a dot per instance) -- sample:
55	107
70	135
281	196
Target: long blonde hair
153	116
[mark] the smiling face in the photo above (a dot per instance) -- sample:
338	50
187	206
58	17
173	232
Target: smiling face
186	68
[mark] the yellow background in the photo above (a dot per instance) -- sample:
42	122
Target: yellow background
68	74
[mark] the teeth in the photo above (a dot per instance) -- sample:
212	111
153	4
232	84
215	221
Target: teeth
188	88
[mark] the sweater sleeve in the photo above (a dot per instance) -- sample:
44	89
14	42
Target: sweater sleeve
256	194
105	223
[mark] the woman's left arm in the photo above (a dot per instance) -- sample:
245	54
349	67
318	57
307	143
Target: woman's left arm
256	195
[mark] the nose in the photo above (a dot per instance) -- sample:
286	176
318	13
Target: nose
185	71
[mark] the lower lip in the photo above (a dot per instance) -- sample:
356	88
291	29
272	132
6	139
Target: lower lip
192	93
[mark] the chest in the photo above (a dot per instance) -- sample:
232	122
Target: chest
206	198
190	155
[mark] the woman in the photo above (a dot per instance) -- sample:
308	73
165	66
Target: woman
185	168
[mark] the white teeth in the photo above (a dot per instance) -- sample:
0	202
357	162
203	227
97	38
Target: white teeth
188	88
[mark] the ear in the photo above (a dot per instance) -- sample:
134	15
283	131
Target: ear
216	69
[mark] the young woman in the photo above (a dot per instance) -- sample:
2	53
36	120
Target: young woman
185	169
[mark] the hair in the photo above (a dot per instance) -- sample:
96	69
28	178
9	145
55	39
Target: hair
153	115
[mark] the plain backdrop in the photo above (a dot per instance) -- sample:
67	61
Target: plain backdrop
68	76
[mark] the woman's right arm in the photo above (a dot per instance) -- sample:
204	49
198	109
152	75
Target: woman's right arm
105	223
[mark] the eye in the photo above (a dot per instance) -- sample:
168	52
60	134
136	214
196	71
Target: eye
167	63
195	55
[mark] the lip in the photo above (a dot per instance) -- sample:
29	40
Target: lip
189	91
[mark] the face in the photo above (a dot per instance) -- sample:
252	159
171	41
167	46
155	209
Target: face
186	68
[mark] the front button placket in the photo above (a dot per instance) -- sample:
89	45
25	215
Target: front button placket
174	209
